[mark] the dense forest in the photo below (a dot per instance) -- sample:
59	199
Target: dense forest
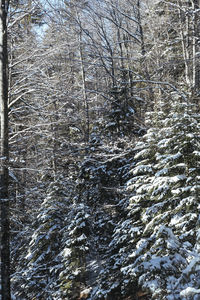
100	149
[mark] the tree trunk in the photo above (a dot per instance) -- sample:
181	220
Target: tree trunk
143	54
184	34
85	97
196	66
4	152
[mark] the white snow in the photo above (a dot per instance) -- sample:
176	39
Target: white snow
189	291
66	252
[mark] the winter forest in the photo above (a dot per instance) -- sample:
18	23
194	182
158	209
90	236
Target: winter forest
100	149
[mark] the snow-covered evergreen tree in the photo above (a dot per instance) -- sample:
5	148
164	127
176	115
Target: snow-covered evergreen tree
164	207
41	264
73	256
110	212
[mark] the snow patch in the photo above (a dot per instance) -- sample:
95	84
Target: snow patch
189	291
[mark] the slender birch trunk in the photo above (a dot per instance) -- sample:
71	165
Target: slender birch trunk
85	97
4	155
184	34
143	52
195	33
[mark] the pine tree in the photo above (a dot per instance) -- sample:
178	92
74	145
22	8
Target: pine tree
41	263
164	207
73	257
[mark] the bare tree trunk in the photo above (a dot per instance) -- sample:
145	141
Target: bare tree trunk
184	33
143	52
54	125
4	152
195	34
87	130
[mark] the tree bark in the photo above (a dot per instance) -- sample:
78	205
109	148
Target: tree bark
4	155
85	97
184	34
196	66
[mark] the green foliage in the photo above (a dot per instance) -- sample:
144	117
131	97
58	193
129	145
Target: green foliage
41	262
163	208
75	243
90	231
